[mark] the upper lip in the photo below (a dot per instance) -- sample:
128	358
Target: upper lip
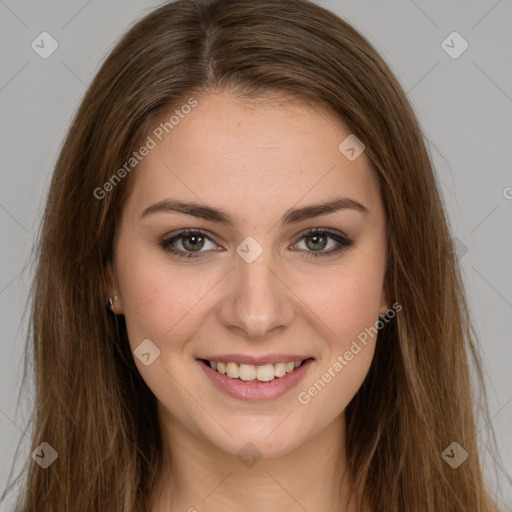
256	360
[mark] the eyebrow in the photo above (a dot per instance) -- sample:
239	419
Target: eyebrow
291	216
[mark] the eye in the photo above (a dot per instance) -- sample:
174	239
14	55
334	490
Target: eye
192	240
316	240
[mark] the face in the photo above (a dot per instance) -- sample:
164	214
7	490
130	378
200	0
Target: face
253	285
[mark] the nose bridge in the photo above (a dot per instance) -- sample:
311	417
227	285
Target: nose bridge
257	300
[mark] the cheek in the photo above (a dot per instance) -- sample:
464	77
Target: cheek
347	309
140	303
162	303
350	308
335	385
357	305
346	301
358	301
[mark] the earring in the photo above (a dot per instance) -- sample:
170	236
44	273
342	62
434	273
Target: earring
111	303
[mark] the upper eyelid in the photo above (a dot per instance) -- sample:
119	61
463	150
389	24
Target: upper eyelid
190	231
298	237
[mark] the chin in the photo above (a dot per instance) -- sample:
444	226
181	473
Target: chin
250	437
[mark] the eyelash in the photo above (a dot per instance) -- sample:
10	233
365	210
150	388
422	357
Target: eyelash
343	242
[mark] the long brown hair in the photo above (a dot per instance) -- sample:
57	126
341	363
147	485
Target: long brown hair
92	406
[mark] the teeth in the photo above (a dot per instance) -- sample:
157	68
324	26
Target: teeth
280	369
247	371
264	373
232	370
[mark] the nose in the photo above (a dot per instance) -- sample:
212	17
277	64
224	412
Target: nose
258	303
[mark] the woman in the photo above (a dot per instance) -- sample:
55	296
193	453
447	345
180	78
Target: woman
247	190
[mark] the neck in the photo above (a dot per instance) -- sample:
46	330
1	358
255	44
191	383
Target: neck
200	477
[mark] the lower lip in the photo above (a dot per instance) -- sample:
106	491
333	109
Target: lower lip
256	390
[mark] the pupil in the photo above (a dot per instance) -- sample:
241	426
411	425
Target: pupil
191	237
316	237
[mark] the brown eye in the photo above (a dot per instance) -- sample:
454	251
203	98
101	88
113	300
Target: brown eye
191	241
316	240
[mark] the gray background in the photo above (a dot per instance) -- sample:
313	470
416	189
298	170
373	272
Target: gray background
463	104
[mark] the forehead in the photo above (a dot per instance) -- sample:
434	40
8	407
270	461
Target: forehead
251	157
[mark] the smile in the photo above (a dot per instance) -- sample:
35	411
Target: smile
256	382
249	372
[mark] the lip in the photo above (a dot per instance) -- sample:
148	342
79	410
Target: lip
257	360
253	390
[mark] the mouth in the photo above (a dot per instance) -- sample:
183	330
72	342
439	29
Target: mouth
254	373
270	379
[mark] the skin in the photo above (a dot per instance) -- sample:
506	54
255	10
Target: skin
254	160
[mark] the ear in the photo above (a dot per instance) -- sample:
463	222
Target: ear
112	290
